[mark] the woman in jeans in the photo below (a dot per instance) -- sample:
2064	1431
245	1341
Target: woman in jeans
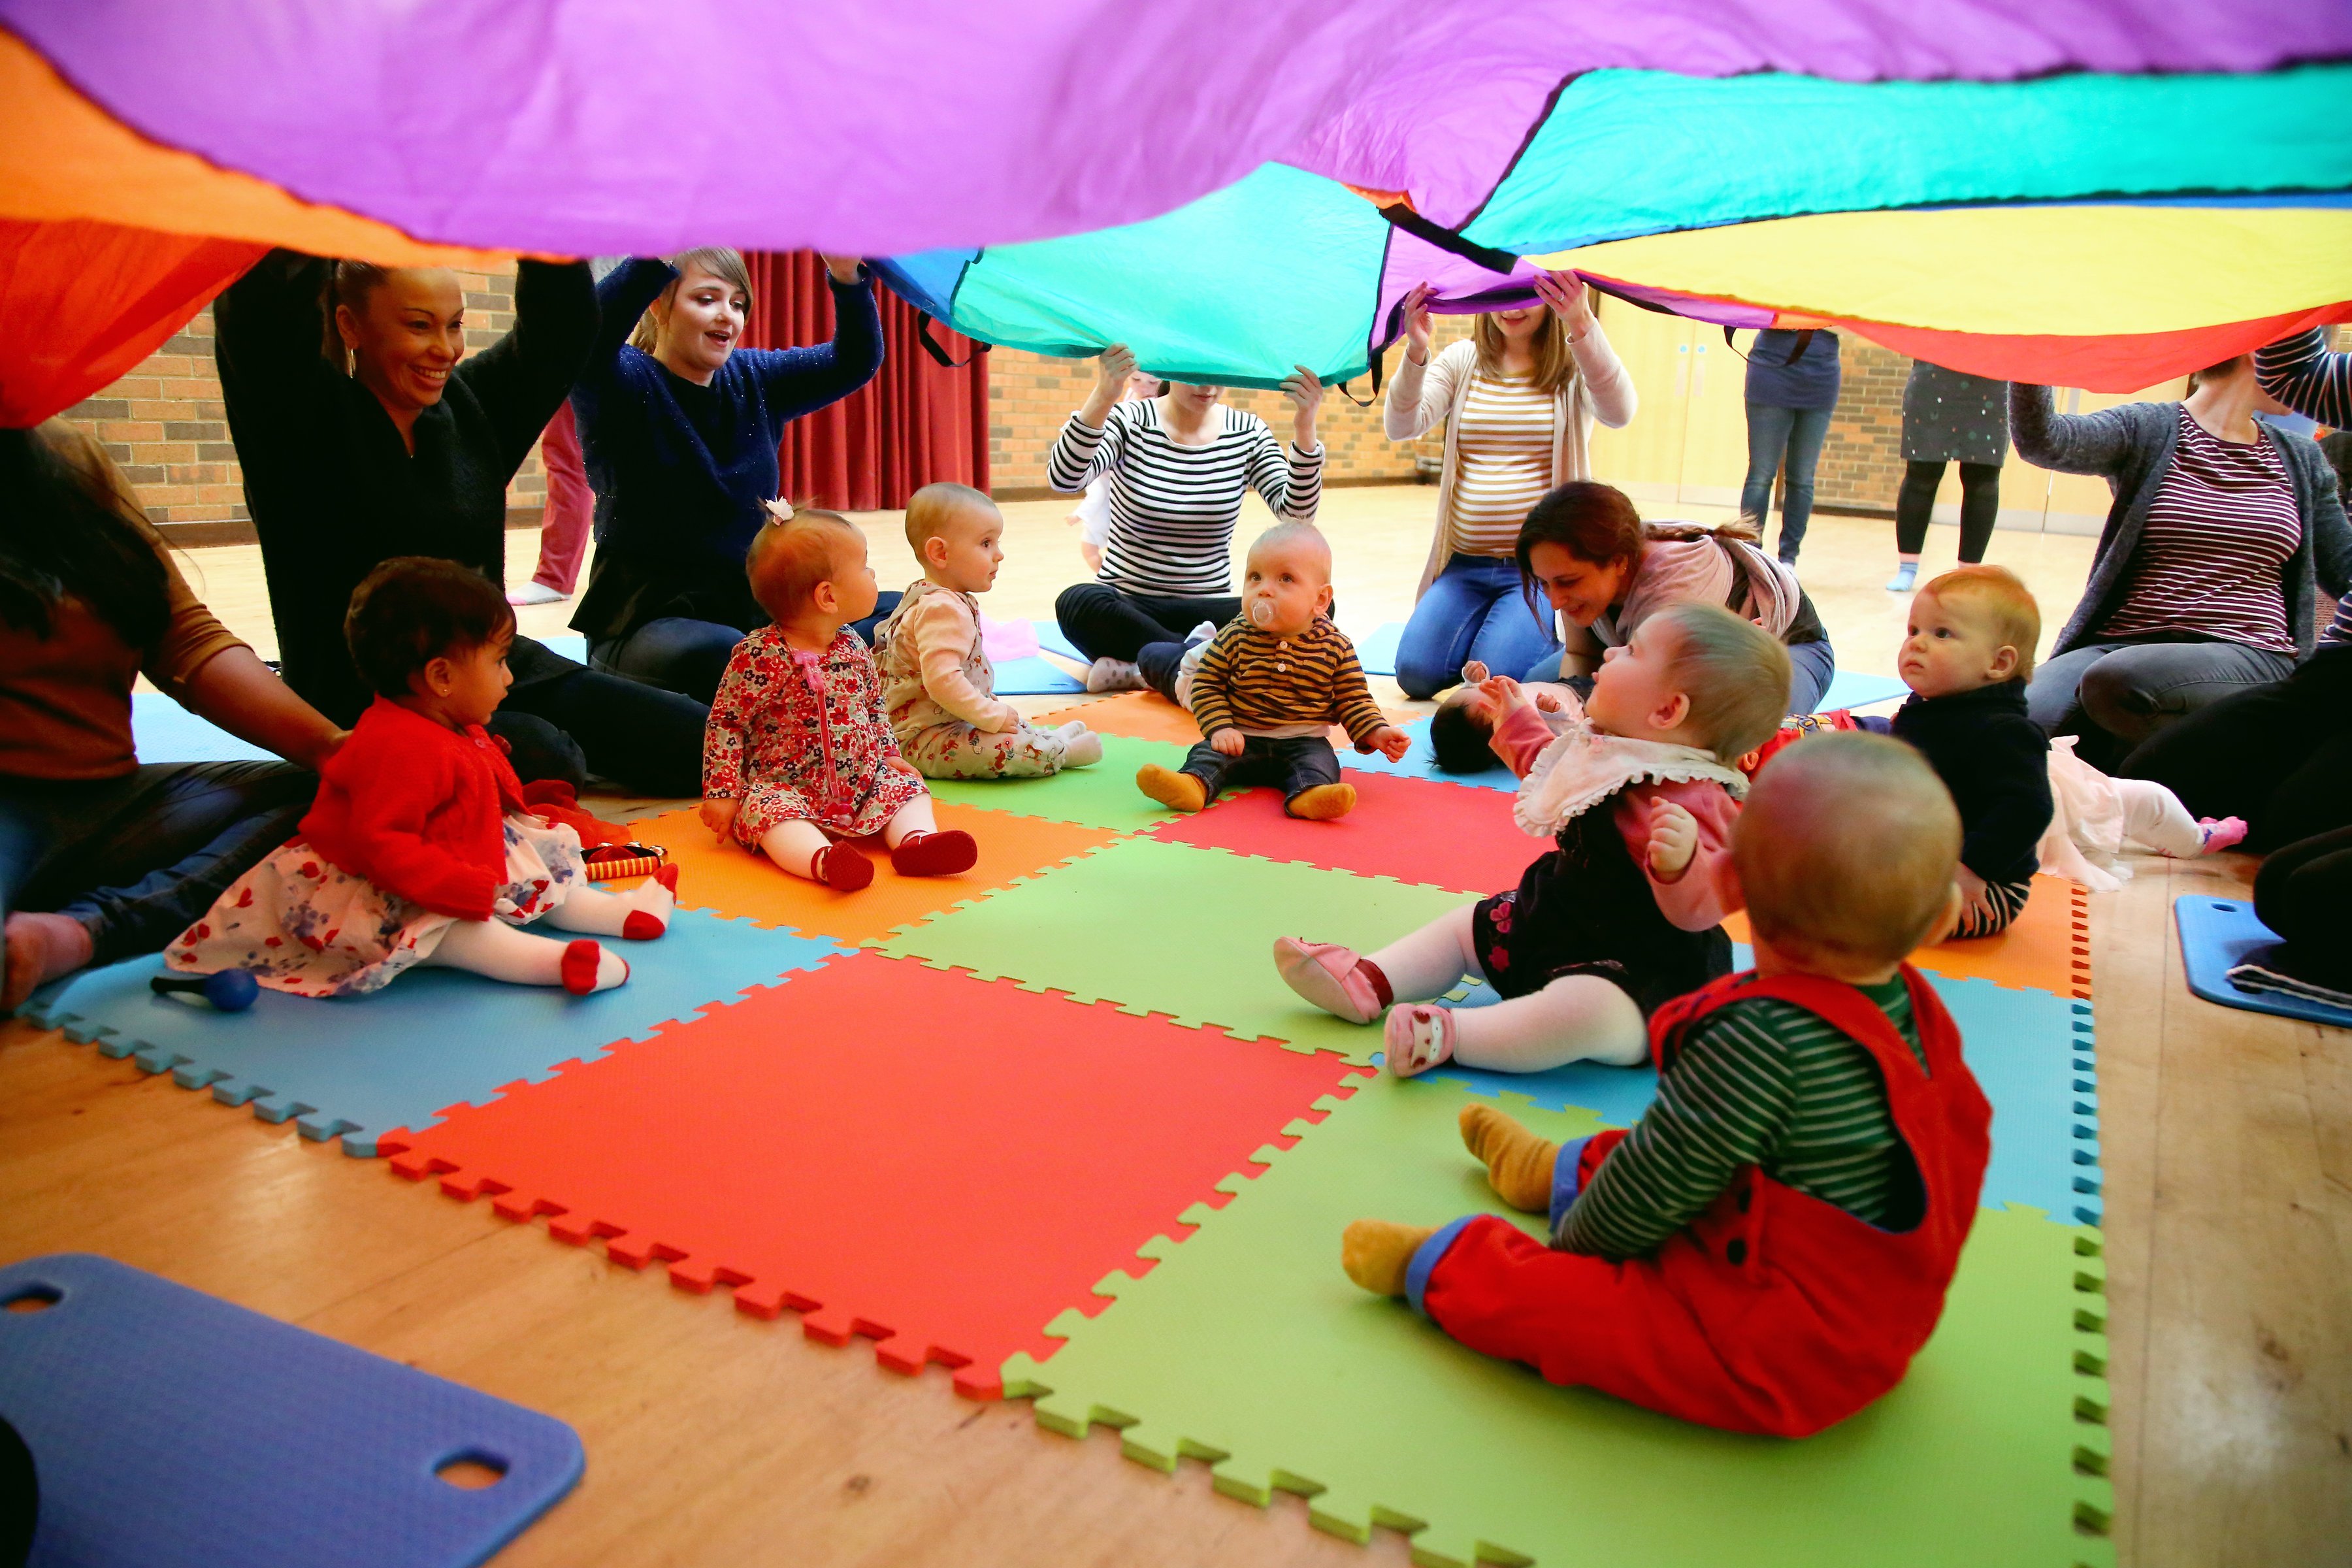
1792	390
1518	399
103	858
2208	575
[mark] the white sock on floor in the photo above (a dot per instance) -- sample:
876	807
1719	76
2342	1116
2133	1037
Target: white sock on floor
593	911
1082	749
497	949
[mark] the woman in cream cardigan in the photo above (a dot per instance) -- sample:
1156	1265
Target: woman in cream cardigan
1518	399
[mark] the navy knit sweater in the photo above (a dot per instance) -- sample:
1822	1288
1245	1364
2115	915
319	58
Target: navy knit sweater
683	469
1996	762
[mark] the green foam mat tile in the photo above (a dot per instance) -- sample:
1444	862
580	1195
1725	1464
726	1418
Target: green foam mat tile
1247	1348
1169	928
1102	795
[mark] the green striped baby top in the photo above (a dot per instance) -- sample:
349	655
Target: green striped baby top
1758	1082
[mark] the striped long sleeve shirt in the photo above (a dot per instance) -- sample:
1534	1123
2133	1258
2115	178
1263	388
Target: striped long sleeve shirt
1261	684
1173	507
2300	373
1760	1082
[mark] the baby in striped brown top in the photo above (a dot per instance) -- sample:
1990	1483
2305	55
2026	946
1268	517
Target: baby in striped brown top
1273	681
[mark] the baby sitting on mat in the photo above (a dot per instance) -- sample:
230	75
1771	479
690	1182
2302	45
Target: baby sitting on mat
1772	1243
798	754
1271	684
937	684
1626	912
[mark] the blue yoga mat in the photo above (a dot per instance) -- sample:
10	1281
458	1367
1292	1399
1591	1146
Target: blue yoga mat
1035	677
1050	638
164	731
171	1429
1377	653
1848	689
2030	1052
355	1068
2217	934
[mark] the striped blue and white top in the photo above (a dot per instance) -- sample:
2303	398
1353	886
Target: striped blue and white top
1173	507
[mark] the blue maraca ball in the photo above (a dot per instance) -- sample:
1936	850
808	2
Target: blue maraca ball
231	990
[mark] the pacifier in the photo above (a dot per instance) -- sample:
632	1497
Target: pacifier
1261	612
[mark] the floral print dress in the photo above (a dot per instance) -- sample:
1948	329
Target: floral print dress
299	924
803	737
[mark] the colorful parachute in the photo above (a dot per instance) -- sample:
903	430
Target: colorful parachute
2094	191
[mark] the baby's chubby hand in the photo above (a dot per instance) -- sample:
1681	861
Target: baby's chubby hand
1673	839
1475	673
718	816
1228	741
1504	693
1390	742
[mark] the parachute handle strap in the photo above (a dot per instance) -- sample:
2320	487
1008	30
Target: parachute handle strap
932	346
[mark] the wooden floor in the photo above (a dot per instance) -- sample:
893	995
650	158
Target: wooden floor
717	1439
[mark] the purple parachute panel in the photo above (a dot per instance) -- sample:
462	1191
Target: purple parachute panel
891	126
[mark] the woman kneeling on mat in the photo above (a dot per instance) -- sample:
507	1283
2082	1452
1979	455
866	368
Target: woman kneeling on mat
420	849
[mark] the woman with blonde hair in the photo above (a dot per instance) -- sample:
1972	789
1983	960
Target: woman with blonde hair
679	425
1518	399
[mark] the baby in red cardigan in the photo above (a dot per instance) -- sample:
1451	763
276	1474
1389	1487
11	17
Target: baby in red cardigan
419	849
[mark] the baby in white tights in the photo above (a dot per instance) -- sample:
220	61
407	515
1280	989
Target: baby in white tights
1624	913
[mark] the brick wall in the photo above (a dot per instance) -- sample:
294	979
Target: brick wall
165	424
1861	462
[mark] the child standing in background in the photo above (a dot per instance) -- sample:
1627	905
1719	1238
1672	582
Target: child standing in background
1770	1245
420	849
935	681
1626	912
798	754
1271	684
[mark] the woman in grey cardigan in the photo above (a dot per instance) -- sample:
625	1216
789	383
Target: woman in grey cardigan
2207	574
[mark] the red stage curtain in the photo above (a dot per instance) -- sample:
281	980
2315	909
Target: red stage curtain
86	301
915	421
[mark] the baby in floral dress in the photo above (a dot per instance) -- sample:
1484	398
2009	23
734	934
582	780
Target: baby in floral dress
799	754
419	849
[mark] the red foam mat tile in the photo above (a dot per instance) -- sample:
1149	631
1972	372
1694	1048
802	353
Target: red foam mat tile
939	1164
1416	830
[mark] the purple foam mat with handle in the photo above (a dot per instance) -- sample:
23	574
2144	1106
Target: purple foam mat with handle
171	1429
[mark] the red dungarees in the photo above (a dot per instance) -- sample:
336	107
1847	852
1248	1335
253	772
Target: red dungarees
1772	1311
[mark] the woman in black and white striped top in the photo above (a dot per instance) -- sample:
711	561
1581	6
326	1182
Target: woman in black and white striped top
1176	467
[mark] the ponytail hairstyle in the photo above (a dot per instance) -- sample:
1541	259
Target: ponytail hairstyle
348	283
67	530
1590	520
715	259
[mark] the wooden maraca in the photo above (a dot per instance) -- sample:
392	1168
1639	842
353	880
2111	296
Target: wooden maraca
230	990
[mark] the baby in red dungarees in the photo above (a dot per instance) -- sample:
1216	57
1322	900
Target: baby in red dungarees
1769	1247
799	754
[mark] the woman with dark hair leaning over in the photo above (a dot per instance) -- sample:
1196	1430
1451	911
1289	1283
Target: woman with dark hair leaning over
366	432
103	858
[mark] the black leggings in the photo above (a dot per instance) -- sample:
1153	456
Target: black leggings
2304	892
1104	622
2279	755
1980	505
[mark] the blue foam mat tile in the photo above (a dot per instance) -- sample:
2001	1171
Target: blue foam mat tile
1035	677
164	731
356	1067
2217	934
2030	1051
1378	652
171	1429
1421	763
1848	689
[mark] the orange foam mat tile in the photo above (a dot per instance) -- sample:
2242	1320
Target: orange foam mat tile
2047	947
732	880
1140	715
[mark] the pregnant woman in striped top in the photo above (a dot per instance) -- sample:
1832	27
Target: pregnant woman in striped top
1518	399
1177	466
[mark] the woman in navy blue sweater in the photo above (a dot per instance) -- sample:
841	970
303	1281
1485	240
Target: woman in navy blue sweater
680	428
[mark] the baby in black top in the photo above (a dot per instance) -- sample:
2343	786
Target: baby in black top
1966	657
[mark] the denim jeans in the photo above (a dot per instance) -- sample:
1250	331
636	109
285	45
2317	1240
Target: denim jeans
1771	432
138	859
2114	695
1474	610
1294	766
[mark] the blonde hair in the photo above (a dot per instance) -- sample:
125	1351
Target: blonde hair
1555	361
1846	850
1289	535
1735	673
929	509
799	548
2006	601
726	265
